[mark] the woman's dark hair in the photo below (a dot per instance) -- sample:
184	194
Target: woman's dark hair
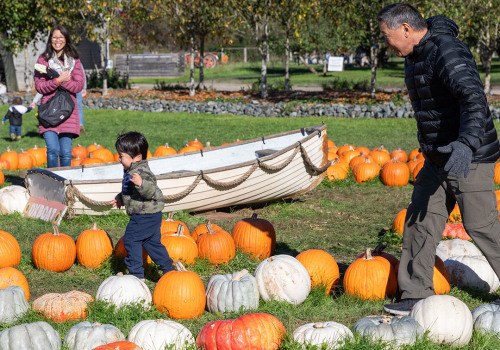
132	143
17	101
69	49
396	14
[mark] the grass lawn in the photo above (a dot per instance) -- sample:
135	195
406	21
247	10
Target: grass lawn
391	75
342	218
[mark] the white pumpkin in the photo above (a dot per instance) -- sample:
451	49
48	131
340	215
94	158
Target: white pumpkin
123	290
447	319
486	318
331	334
30	336
394	330
282	277
159	334
230	292
86	336
473	272
13	304
456	247
13	199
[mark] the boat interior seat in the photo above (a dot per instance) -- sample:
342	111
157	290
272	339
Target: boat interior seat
265	152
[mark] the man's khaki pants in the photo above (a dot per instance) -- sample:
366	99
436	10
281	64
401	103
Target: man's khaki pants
433	198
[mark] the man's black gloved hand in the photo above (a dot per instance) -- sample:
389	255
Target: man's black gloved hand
460	158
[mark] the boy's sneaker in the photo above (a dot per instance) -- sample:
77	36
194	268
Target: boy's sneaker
402	308
13	137
18	137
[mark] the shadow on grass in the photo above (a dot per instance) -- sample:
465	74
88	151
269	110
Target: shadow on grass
15	180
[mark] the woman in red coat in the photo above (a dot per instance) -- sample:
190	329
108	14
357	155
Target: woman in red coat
60	55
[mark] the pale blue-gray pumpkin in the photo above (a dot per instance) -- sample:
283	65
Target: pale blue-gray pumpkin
486	318
30	336
86	335
395	330
13	304
230	292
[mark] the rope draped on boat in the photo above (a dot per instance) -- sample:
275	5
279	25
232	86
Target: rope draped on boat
72	192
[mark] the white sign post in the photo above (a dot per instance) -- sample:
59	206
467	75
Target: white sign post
335	64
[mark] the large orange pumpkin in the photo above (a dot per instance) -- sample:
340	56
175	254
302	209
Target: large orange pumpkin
255	236
25	160
379	251
11	157
164	150
54	251
2	178
169	225
216	246
104	154
39	155
440	278
371	277
336	171
10	276
195	143
395	173
79	151
251	331
180	294
10	251
380	155
63	307
365	171
399	222
322	269
400	155
180	247
93	246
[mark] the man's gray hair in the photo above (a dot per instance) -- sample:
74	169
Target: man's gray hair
396	14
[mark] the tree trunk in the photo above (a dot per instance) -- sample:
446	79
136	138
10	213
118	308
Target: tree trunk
9	69
373	60
325	65
486	59
201	82
263	71
104	56
311	68
191	66
287	60
28	74
128	63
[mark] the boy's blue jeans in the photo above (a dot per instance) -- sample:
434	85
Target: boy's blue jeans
58	148
144	230
15	129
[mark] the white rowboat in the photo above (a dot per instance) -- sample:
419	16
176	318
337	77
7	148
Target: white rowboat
259	170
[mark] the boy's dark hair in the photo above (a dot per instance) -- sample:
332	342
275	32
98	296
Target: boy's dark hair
396	14
132	143
17	101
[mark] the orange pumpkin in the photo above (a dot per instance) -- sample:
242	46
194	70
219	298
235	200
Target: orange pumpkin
365	171
322	269
121	253
380	155
10	276
204	228
10	251
164	150
119	345
180	294
216	246
344	148
79	151
76	161
104	154
91	160
92	148
54	251
11	157
496	178
399	222
400	155
2	178
371	277
364	151
169	226
414	153
456	230
348	155
359	159
93	247
379	251
336	171
417	169
4	164
251	331
330	143
255	236
39	155
455	215
189	149
25	160
180	247
413	163
63	307
395	173
195	143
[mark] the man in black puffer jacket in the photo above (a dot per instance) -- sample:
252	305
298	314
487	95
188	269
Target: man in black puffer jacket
458	140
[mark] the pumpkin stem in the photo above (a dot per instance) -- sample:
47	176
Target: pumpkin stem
56	230
208	144
239	275
170	216
166	144
120	274
379	249
319	325
180	230
209	229
368	254
179	266
94	226
254	216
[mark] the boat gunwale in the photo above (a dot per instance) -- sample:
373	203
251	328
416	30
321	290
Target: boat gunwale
318	128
